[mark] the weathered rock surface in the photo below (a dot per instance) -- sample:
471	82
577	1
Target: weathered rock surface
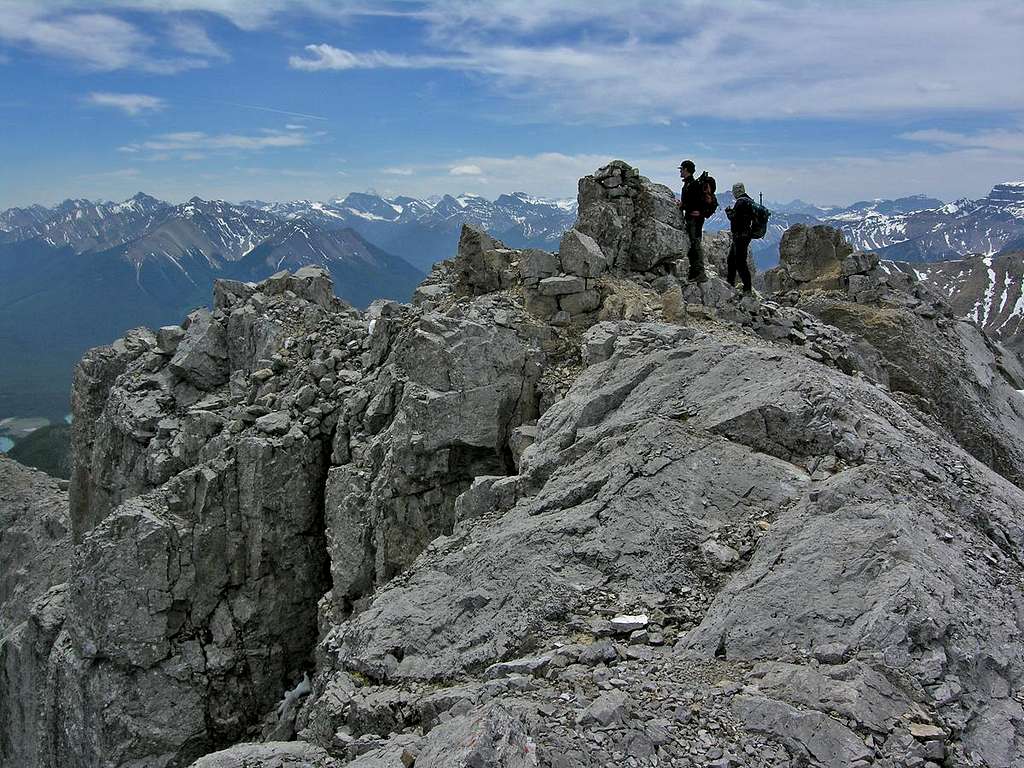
810	257
636	223
35	538
274	754
35	553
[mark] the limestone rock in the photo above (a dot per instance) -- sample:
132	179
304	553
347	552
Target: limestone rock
35	553
536	265
202	354
483	264
581	255
439	413
824	740
492	736
168	338
636	223
35	539
605	710
271	754
580	303
814	254
561	285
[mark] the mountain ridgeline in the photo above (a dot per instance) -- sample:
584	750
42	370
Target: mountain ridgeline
83	272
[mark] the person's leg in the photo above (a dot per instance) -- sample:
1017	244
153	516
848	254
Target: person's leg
731	263
741	263
695	254
699	229
691	251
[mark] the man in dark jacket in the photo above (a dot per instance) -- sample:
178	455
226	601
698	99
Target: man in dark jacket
692	205
741	218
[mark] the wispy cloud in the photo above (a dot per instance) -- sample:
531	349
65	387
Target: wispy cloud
185	144
829	179
465	170
398	171
97	41
322	57
129	103
120	173
774	58
998	139
191	37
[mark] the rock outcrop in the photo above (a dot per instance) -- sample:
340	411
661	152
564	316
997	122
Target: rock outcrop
637	223
35	554
565	509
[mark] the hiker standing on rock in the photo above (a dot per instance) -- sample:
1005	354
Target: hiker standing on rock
693	205
741	218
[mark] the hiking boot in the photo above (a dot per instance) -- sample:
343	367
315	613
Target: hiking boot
699	277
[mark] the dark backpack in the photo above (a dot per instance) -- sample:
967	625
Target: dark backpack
758	220
708	188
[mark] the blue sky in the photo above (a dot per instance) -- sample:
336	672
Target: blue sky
285	99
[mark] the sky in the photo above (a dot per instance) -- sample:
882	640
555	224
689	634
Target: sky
829	102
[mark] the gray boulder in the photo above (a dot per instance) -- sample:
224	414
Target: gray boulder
202	354
492	736
814	254
581	255
636	223
824	740
483	264
272	754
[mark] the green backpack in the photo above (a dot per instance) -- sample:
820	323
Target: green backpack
759	221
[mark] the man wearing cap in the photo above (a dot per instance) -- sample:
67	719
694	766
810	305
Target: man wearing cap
741	219
692	206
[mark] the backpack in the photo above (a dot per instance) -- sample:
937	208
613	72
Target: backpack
758	220
708	187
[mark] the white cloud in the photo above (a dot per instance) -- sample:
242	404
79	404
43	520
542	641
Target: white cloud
999	139
190	37
98	41
398	171
323	57
466	170
129	103
183	143
767	59
828	180
120	173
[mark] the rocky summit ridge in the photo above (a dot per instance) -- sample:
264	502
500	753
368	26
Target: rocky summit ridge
564	509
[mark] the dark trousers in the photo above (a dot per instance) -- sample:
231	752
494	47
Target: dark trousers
694	232
738	261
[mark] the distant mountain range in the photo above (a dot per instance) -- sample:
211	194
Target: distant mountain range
986	289
424	232
916	228
82	272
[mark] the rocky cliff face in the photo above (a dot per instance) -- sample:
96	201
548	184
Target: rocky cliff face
564	509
